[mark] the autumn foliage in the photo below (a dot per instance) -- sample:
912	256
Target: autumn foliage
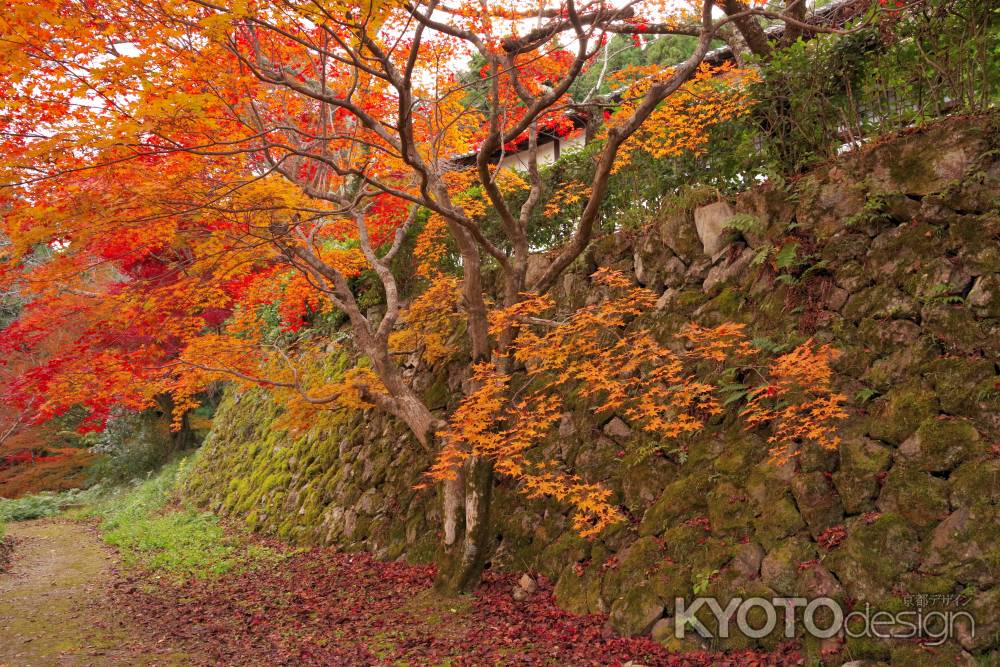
596	357
256	191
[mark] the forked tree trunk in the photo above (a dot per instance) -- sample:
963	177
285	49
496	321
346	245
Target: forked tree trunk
466	544
466	536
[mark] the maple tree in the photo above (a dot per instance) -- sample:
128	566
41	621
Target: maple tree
212	177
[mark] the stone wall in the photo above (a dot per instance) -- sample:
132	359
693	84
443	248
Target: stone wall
896	263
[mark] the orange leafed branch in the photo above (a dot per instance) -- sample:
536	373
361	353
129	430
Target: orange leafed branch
618	369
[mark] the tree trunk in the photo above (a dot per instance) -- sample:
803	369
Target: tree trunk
181	439
749	27
467	543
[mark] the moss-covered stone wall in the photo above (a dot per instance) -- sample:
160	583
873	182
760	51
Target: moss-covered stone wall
893	255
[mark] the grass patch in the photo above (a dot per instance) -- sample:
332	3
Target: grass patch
42	505
152	532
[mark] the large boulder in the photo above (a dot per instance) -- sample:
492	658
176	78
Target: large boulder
862	461
964	547
902	411
925	163
917	496
632	567
710	221
941	443
679	234
578	589
636	612
874	555
984	297
818	502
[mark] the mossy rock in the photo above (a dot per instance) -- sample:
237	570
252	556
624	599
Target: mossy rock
817	501
915	655
777	521
690	551
926	162
567	548
870	651
580	592
874	555
886	336
955	327
766	481
680	235
844	247
966	546
727	306
984	297
781	567
644	482
635	612
941	443
729	510
816	458
975	484
680	500
671	580
905	362
957	380
851	276
880	301
772	312
917	496
740	451
902	410
861	462
895	257
986	640
634	565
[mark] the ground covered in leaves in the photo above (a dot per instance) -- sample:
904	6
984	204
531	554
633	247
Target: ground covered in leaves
321	607
180	587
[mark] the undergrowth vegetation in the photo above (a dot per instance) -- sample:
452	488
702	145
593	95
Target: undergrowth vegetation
43	505
153	532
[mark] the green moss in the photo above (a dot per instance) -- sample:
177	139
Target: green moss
976	484
691	298
918	497
941	443
861	462
957	380
633	567
680	499
729	510
635	612
902	411
777	520
781	567
728	304
436	395
874	555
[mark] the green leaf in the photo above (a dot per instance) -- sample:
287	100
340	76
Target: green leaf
732	398
786	256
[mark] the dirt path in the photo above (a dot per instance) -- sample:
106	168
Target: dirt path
53	608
